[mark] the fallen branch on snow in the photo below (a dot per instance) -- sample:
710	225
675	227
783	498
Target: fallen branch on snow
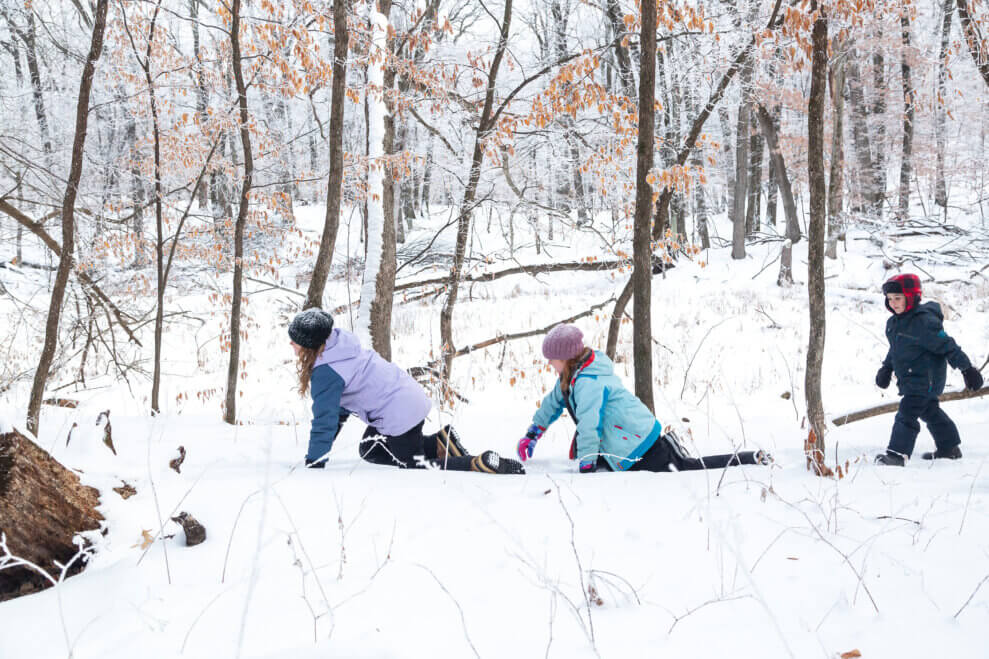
869	412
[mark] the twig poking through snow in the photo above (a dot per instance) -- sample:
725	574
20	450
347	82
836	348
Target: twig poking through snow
463	620
959	612
975	479
580	568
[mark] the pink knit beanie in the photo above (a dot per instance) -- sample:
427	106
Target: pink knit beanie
563	342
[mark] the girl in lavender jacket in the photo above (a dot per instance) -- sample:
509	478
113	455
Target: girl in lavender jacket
347	379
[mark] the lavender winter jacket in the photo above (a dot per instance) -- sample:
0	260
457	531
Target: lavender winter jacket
347	378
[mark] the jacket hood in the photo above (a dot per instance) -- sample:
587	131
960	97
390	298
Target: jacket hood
597	364
340	346
931	308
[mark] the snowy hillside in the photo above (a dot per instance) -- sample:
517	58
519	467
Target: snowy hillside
366	561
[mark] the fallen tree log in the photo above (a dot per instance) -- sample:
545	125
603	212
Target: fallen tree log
42	507
869	412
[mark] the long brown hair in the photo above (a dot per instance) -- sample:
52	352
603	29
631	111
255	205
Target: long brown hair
307	357
570	368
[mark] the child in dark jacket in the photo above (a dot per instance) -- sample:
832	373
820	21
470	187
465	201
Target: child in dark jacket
347	379
918	352
615	431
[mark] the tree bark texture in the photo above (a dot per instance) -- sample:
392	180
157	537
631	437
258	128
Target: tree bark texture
470	192
334	180
973	38
31	43
879	120
741	166
727	158
861	140
145	65
642	234
783	180
202	96
42	507
379	275
230	404
68	219
815	238
836	82
753	208
569	125
625	74
906	156
940	108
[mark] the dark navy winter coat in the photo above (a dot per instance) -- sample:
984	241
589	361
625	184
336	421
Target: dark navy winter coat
919	348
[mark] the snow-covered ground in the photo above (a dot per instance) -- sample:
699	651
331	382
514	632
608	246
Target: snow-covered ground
366	561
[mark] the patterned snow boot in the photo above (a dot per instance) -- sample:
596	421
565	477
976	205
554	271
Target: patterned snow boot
490	462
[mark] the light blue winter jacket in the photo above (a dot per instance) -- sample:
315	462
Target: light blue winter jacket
611	421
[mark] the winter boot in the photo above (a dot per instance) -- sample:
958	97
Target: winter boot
953	453
448	444
490	462
890	459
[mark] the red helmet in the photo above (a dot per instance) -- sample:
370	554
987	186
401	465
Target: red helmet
906	285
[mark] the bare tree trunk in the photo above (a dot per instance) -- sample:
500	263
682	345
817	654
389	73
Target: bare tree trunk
422	203
334	182
625	74
68	220
789	205
470	192
31	41
879	119
230	405
940	109
378	288
569	126
15	54
727	160
835	181
145	65
697	163
860	137
908	114
973	37
642	247
402	198
752	212
815	238
741	166
202	97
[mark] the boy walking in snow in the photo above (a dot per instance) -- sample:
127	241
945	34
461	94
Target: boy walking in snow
919	349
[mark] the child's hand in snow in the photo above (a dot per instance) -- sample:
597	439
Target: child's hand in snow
528	443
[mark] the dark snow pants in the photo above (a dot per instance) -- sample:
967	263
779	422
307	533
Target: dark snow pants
410	450
663	456
906	426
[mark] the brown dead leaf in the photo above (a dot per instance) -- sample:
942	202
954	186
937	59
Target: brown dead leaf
851	654
146	539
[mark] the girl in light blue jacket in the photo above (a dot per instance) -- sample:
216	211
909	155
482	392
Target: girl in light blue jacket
615	431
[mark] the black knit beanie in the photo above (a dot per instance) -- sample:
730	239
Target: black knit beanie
311	328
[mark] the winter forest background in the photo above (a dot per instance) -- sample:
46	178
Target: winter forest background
713	191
